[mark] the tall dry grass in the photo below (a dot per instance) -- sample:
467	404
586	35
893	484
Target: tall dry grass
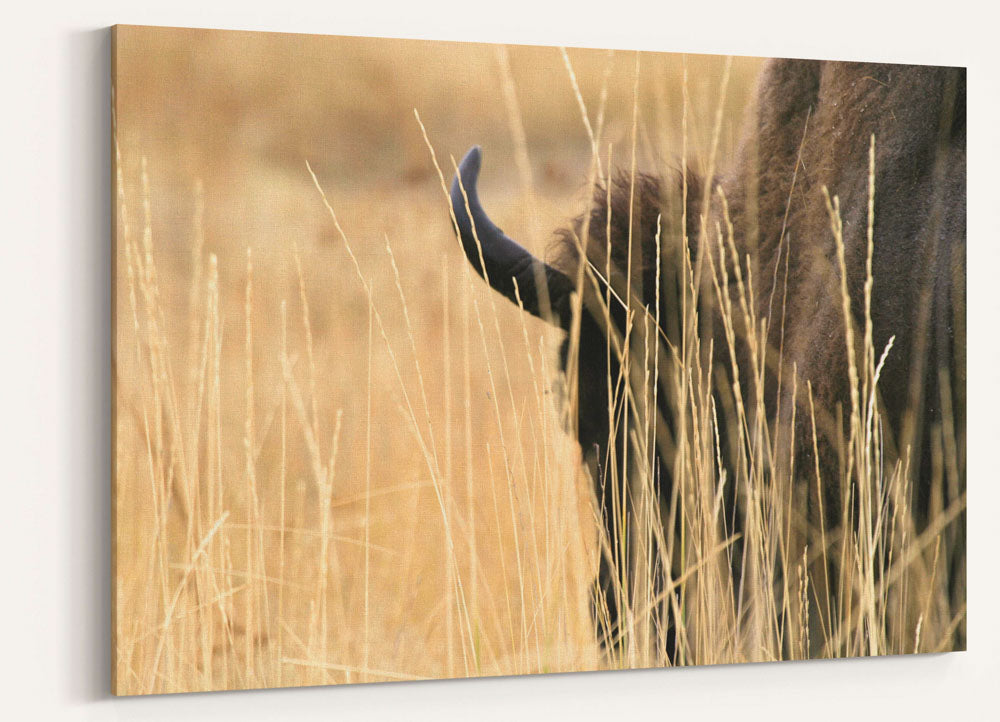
339	456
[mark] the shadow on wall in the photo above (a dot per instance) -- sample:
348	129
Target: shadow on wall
87	133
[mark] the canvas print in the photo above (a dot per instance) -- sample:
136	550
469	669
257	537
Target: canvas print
438	359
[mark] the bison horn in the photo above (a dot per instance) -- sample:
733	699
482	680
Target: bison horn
501	261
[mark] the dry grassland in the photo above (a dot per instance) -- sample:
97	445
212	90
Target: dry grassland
337	453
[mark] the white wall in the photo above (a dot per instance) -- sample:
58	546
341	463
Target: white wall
55	359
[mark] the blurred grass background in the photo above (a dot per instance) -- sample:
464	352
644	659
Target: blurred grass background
321	483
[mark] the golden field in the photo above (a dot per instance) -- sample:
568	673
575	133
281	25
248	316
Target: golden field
337	456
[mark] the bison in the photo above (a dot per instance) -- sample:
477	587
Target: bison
816	288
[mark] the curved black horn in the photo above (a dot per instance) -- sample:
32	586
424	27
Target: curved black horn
503	260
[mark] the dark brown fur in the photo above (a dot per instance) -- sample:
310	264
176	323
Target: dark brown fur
829	110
